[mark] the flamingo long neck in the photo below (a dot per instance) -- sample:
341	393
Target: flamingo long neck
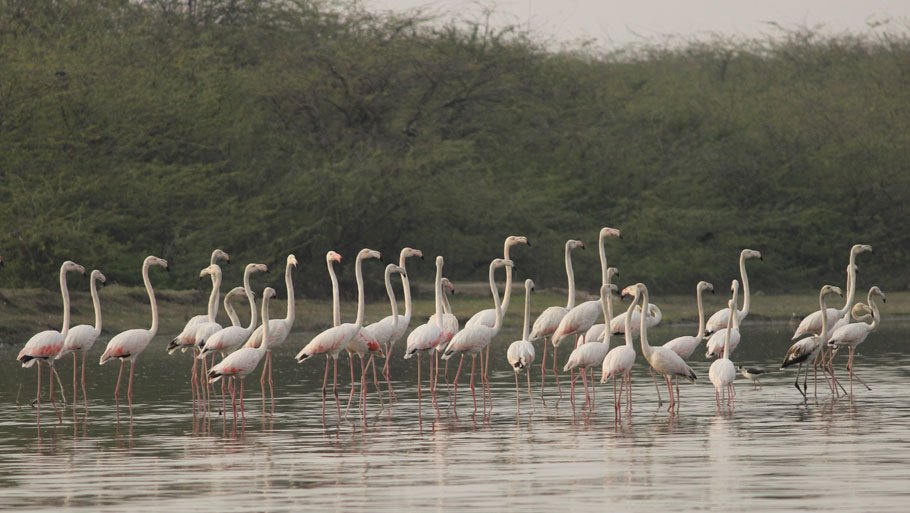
628	322
358	273
446	307
821	304
214	296
646	348
870	300
229	310
730	323
851	287
391	293
570	304
251	300
747	297
603	259
526	328
64	290
96	302
507	295
438	299
607	307
406	285
289	284
151	292
496	306
336	301
263	347
701	314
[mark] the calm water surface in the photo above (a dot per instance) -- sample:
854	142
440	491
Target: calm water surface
774	452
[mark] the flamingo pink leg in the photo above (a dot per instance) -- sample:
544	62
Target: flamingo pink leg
84	395
325	381
543	370
117	387
455	394
473	396
38	398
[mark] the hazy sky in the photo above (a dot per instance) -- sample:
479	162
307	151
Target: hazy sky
620	22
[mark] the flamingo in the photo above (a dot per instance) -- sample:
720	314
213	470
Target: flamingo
242	362
403	320
279	329
718	320
717	342
232	337
45	346
383	332
186	339
488	317
855	333
210	326
685	345
664	361
722	372
591	354
365	342
812	323
547	322
128	345
521	352
619	362
472	340
450	327
807	349
334	340
81	338
583	316
428	336
618	323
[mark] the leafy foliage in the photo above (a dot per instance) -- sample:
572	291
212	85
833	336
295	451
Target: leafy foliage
269	127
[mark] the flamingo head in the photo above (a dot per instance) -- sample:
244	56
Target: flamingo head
256	268
69	265
860	248
160	262
751	253
529	285
332	256
220	255
236	291
374	347
574	244
448	285
96	275
292	260
703	285
610	232
612	272
410	252
212	270
512	240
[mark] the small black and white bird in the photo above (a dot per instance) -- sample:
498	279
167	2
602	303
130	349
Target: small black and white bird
753	373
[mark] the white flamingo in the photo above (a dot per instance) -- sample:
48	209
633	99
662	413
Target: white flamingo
619	362
365	343
722	371
81	338
685	345
430	335
242	362
334	340
231	338
450	327
664	361
128	345
807	349
717	342
472	340
718	320
591	354
521	352
855	333
186	339
46	345
208	327
547	322
404	321
383	332
812	323
279	328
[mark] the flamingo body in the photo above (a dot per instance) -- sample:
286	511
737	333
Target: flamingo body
520	355
715	343
41	346
127	345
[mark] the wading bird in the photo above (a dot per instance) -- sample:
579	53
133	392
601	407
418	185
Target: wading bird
805	350
81	338
718	320
722	372
521	352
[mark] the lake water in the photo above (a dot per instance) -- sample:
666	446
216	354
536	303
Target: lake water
774	452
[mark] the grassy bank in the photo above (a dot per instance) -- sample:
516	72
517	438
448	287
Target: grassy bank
27	311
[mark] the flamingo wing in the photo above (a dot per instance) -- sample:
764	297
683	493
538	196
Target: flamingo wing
547	322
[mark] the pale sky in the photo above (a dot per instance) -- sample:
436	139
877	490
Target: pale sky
615	23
